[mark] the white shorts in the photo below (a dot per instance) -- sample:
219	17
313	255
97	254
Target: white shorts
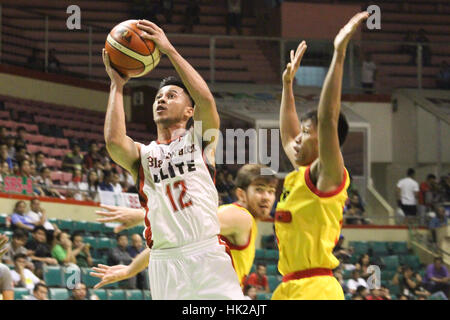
199	271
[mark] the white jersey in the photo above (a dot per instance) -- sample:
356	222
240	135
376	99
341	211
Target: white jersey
178	193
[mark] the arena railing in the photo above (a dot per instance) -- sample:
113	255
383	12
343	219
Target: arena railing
16	45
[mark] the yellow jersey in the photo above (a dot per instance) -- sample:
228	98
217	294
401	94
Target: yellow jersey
308	223
242	256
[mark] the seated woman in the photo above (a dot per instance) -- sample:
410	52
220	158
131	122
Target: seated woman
19	219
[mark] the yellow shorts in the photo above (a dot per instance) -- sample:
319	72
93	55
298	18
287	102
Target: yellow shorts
313	288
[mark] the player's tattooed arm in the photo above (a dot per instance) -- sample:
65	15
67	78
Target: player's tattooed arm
331	164
289	122
121	147
205	106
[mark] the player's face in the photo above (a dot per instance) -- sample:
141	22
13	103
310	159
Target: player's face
306	144
172	105
260	198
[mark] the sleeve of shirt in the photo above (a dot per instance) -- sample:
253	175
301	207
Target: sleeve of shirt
33	277
15	218
58	253
445	271
430	273
416	187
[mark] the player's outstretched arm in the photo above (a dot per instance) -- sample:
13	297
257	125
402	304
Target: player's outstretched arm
205	106
127	217
117	273
121	148
331	163
289	122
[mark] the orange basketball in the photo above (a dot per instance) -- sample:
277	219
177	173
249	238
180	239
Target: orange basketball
128	52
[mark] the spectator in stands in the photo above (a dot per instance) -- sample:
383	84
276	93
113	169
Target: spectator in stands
62	250
45	184
384	293
426	50
362	291
355	282
409	49
354	210
38	217
437	277
21	275
81	251
368	73
21	155
34	62
5	157
104	157
407	195
375	294
77	188
40	292
234	16
106	184
250	292
79	292
438	221
337	273
41	252
133	250
4	172
410	283
92	181
191	16
167	10
19	218
127	180
53	62
17	246
428	194
258	279
146	9
444	188
340	252
223	188
6	283
443	77
362	265
93	154
10	142
120	255
3	135
39	161
115	182
20	138
73	160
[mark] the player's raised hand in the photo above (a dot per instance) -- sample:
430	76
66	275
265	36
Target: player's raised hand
115	77
294	64
346	33
127	217
156	34
109	274
3	240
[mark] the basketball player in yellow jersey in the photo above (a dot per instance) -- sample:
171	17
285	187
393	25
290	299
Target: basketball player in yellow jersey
238	224
309	214
238	221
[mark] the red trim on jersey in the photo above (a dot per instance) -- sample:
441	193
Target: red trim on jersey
283	216
227	249
235	246
141	181
308	273
319	193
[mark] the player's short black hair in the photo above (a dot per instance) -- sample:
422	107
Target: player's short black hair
342	123
174	81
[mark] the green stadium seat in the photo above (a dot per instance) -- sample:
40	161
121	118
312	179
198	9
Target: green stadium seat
9	234
107	229
391	262
263	296
53	276
379	248
101	260
87	279
347	274
65	225
105	243
3	219
101	293
80	226
348	296
354	259
274	281
360	247
94	227
399	248
253	269
272	270
134	295
387	275
412	261
92	241
19	293
58	294
147	295
115	294
259	254
271	255
394	289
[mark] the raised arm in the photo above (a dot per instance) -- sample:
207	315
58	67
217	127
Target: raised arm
331	163
289	122
205	106
122	149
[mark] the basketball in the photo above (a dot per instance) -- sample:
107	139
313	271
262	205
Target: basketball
129	53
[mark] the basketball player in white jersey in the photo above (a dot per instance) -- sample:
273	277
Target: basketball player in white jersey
176	189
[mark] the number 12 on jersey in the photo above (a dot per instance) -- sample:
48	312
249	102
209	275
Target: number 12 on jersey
180	185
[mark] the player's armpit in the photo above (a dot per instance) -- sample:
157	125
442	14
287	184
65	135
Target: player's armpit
234	222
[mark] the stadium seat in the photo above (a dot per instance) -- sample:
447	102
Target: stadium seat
387	275
274	281
19	293
263	296
66	225
115	294
253	269
412	261
3	219
101	293
134	295
105	243
94	227
360	247
348	296
100	260
147	295
379	248
53	276
391	262
399	248
80	226
87	279
266	241
92	241
58	294
347	274
271	255
272	270
394	289
259	254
